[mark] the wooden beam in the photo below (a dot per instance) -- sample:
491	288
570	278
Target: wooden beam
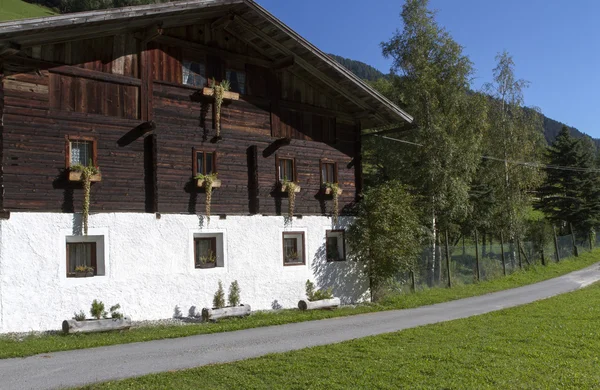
198	47
95	75
221	22
284	63
300	61
150	34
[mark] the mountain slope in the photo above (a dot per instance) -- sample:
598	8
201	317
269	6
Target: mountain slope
18	9
364	71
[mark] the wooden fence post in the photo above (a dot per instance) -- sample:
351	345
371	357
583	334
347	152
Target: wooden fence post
519	253
591	241
556	252
477	272
502	250
543	257
413	284
575	251
448	260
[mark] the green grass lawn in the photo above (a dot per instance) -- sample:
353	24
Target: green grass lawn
31	345
18	9
551	344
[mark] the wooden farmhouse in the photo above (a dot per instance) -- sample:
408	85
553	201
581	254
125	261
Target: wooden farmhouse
118	126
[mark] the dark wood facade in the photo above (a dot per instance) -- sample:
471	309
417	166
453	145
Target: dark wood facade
109	88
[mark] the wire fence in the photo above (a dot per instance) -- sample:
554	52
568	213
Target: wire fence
468	262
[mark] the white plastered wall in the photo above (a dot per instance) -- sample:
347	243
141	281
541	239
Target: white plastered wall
149	266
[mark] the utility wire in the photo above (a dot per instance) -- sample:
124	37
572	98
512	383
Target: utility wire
524	163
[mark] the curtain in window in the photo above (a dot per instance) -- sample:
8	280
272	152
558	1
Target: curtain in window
237	79
194	73
81	152
79	254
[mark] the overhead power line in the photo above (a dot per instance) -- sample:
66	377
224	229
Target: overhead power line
514	162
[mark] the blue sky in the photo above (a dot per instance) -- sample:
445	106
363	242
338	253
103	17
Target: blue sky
555	43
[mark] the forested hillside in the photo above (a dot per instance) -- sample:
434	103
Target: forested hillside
367	72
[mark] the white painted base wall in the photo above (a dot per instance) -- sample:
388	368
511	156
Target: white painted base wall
149	266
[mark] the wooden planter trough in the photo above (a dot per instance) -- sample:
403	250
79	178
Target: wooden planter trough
328	191
89	326
227	95
284	188
76	176
201	183
226	312
322	304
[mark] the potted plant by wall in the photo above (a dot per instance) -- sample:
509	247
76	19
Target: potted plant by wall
292	257
335	191
219	310
100	321
318	299
83	271
209	261
221	92
85	175
291	189
209	182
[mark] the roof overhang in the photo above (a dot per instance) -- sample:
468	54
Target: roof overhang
244	18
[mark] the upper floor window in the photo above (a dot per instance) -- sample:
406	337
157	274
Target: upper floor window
81	151
205	163
328	172
237	80
286	169
194	73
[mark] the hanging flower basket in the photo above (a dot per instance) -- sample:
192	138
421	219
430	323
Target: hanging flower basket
329	191
284	188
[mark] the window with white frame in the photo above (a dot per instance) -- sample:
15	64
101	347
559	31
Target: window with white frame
85	256
335	245
293	248
208	250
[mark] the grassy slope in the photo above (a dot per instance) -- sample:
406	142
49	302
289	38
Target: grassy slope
31	345
17	9
548	344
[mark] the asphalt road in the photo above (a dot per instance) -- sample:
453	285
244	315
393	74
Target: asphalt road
80	367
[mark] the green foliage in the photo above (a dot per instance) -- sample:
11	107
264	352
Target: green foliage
551	344
571	196
385	234
290	188
97	309
18	9
79	316
317	295
234	294
86	173
220	89
33	345
434	77
219	297
209	180
114	313
335	193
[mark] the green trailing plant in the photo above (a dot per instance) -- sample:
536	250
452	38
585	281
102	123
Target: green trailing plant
316	295
97	309
335	192
84	268
86	174
219	297
79	316
219	91
290	188
209	180
114	314
234	294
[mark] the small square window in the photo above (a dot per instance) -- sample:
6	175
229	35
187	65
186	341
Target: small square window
81	151
194	73
328	172
286	170
205	163
205	252
85	256
237	79
293	248
335	245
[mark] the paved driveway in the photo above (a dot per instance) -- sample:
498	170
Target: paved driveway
80	367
